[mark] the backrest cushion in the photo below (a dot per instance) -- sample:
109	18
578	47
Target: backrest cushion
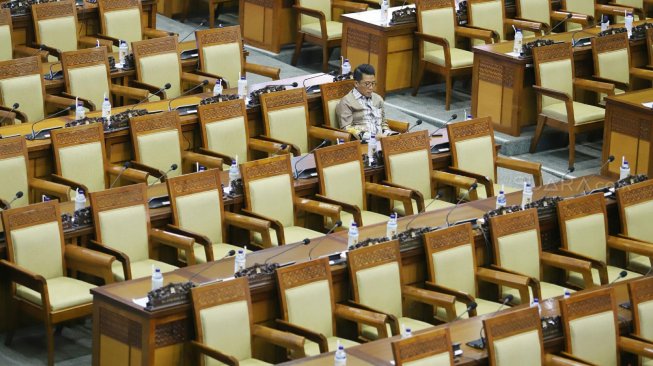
26	91
476	156
289	124
93	91
6	49
352	192
214	57
488	15
332	104
513	350
38	249
520	252
124	25
586	235
537	10
645	311
412	170
60	33
593	338
160	150
441	359
581	6
438	22
454	268
613	65
13	178
278	205
322	5
637	219
161	69
217	320
228	137
84	164
556	75
315	296
125	229
200	213
380	288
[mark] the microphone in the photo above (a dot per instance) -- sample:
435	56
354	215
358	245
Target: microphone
506	300
471	188
471	306
282	147
165	87
229	254
332	73
13	108
569	171
202	84
165	174
417	123
453	116
18	195
622	274
324	142
437	196
306	241
336	225
569	16
193	31
32	137
609	160
126	165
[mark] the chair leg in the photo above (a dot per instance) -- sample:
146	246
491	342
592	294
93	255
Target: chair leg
325	59
447	96
11	323
541	120
58	329
50	338
418	79
572	147
211	14
298	48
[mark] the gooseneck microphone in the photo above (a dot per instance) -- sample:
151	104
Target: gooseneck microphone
453	117
13	108
471	188
335	226
126	165
298	173
201	84
229	254
569	16
165	87
165	174
417	123
18	195
471	306
193	31
32	137
306	241
506	300
569	171
437	197
622	274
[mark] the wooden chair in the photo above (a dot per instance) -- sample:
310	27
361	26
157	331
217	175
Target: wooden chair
640	8
474	155
594	9
649	47
437	31
219	44
285	118
260	177
491	15
37	265
554	84
123	21
55	29
157	63
158	145
228	305
517	245
81	161
589	321
342	183
8	50
308	285
541	11
198	212
453	270
21	82
584	232
315	24
377	285
408	165
15	177
122	229
225	133
641	300
635	202
92	64
428	348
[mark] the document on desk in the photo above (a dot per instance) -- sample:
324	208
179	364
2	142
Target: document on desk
648	105
513	54
140	301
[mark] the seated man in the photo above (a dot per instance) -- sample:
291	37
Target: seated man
361	112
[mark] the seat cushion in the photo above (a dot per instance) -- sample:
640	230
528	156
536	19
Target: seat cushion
64	292
548	290
459	58
369	218
140	269
334	29
95	91
160	69
613	273
428	204
312	348
228	137
583	113
292	234
639	263
160	150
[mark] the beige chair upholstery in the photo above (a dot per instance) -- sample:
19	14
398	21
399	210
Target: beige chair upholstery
641	299
487	15
515	337
123	20
535	10
6	48
429	348
157	63
21	82
55	25
635	202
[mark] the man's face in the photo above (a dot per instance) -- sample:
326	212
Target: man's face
367	85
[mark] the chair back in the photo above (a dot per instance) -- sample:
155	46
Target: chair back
487	14
585	7
6	29
514	337
157	63
21	82
219	44
641	299
340	169
157	141
429	348
219	307
331	95
285	116
88	64
584	226
79	155
34	237
517	243
375	274
554	69
260	177
472	146
451	258
55	25
612	57
197	205
322	5
537	10
590	326
308	285
408	161
121	19
13	170
122	220
635	204
437	18
224	128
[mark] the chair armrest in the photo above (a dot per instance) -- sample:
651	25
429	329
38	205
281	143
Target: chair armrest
55	52
25	277
197	79
294	149
555	360
129	92
528	167
266	146
120	256
593	85
552	93
575	358
613	9
274	224
461	296
318	208
617	84
577	18
398	126
318	338
545	28
349	6
599	265
352	209
197	237
310	12
174	241
393	193
132	175
190	158
293	343
25	51
428	297
269	71
85	102
495	37
149	87
90	42
641	73
154	172
226	159
504	278
635	346
89	261
570	264
636	11
433	39
414	194
362	316
57	101
327	134
156	33
535	27
213	353
12	114
70	183
114	41
251	224
391	320
631	246
477	33
634	239
453	180
481	179
60	191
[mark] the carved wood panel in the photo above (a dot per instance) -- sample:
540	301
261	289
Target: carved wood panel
265	168
336	90
221	111
5	17
194	183
85	57
595	302
448	238
31	215
435	4
110	199
516	322
581	206
374	255
283	99
110	5
641	290
469	129
612	42
218	36
423	345
303	273
155	122
12	147
513	223
51	10
171	333
636	193
337	154
406	142
20	67
120	328
77	135
555	52
155	46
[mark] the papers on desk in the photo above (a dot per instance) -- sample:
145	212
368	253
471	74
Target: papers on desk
648	105
141	301
513	54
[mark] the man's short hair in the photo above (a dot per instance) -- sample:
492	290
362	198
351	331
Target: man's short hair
363	69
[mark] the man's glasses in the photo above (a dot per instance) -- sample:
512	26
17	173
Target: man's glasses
368	84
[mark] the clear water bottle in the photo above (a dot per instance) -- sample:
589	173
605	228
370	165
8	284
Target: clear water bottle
527	194
240	262
371	148
106	107
242	87
80	199
501	199
346	67
384	12
519	40
605	23
157	279
217	89
80	112
234	172
624	170
629	24
45	198
407	333
391	228
123	50
352	237
536	304
340	359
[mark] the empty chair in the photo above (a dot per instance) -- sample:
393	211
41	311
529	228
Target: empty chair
491	15
641	300
123	21
635	204
7	49
541	11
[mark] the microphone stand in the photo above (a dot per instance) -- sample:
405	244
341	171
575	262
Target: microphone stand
324	142
165	87
165	175
124	167
417	123
32	137
453	116
335	226
569	16
316	76
471	188
306	241
203	83
193	31
13	108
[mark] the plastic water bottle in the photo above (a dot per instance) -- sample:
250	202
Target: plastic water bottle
605	23
501	199
352	237
407	333
157	279
629	24
624	171
340	358
346	67
527	195
567	294
106	107
391	228
536	303
80	112
217	89
123	50
371	148
242	87
519	40
80	199
234	172
384	12
240	262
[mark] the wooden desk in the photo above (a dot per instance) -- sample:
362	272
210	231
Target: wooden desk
126	334
268	24
628	131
